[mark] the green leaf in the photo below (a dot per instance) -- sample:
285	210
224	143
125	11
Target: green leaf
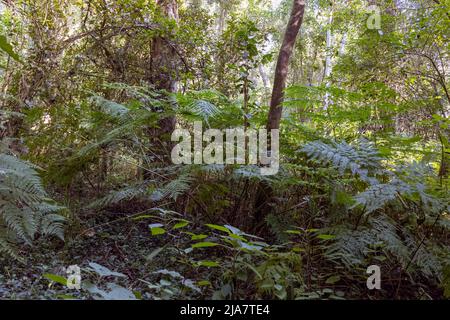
208	263
333	279
138	295
204	244
145	216
217	227
56	278
6	47
156	229
326	236
235	236
293	231
199	237
65	297
181	224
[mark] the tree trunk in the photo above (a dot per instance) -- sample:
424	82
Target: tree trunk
264	196
163	59
328	56
164	76
282	67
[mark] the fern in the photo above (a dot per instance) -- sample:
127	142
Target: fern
407	186
424	257
174	188
362	159
202	105
203	108
110	107
354	247
149	190
25	209
126	194
376	196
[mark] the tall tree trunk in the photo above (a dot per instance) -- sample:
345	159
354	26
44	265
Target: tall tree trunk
163	59
328	56
164	76
264	196
281	70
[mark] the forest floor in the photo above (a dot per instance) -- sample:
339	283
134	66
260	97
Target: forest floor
120	246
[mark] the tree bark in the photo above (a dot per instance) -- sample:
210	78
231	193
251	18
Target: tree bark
281	70
264	196
164	59
328	67
164	77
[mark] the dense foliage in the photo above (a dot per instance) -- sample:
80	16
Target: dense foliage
92	90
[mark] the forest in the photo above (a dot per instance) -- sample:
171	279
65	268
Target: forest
224	149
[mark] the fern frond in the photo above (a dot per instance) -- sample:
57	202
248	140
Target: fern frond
375	197
201	104
8	248
203	109
362	159
52	224
174	188
125	194
353	247
25	209
109	107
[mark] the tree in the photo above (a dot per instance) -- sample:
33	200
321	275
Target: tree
164	74
281	70
163	59
265	193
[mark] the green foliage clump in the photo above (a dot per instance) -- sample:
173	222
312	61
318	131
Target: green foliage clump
25	209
